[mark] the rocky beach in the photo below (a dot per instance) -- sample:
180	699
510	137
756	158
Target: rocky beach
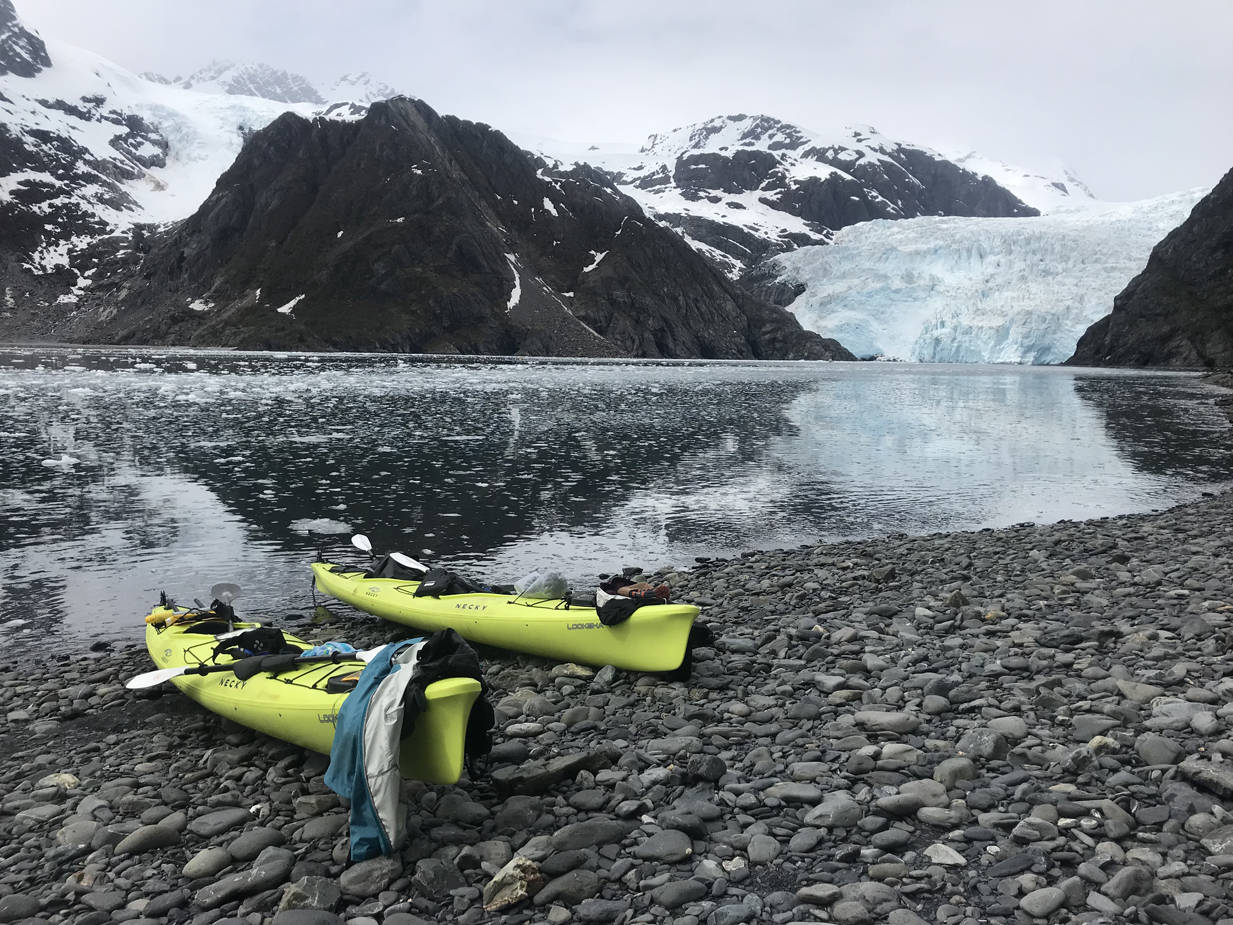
1029	724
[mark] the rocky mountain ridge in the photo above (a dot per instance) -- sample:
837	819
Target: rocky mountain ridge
93	158
1179	310
281	86
408	231
741	188
22	52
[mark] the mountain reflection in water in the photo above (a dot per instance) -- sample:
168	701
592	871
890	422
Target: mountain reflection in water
125	471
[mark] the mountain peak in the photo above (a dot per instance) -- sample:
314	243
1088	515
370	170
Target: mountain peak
1048	193
740	187
723	133
22	52
360	87
271	83
248	79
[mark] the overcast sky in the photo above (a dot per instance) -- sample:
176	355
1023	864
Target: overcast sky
1133	95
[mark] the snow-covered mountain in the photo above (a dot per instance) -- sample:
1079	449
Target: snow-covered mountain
1044	193
87	148
249	79
280	86
964	290
740	188
90	150
22	52
893	249
359	87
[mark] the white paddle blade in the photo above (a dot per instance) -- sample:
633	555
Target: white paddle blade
225	592
408	562
361	542
154	678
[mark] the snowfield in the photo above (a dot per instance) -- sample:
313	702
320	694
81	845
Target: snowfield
977	290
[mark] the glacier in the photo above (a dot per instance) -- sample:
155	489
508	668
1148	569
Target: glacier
977	290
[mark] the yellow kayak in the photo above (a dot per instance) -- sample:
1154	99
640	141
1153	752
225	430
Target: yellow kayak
295	705
653	638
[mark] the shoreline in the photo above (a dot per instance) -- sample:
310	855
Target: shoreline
1005	725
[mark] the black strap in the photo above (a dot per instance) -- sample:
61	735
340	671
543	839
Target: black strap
261	640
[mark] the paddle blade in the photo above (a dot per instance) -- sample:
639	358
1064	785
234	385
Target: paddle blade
362	543
154	678
408	562
225	592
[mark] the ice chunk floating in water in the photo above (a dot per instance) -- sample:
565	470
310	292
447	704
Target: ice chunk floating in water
319	525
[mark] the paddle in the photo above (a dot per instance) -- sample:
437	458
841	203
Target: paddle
246	667
408	562
362	543
224	593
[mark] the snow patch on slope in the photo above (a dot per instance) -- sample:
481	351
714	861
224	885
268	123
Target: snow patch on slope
515	295
203	131
1047	194
975	290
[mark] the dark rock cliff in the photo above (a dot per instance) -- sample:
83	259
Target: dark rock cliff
1179	310
408	231
22	52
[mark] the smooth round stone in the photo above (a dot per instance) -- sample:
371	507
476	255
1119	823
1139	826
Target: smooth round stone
251	843
1043	902
763	849
17	906
78	833
890	839
207	862
792	792
148	838
219	821
669	846
888	870
677	893
886	722
952	770
370	877
1013	727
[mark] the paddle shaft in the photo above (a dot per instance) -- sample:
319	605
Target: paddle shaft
248	666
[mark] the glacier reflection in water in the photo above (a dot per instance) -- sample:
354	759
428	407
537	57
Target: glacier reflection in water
124	472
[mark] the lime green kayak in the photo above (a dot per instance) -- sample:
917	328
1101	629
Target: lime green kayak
653	638
295	705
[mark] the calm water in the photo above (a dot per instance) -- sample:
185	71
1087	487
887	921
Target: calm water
123	472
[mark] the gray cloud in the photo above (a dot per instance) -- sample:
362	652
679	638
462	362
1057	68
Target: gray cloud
1132	94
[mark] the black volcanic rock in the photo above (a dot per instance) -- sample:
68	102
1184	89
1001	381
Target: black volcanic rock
1179	310
412	232
22	52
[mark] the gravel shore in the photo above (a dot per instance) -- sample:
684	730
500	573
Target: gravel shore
1016	725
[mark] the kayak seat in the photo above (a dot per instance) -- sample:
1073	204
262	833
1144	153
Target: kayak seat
340	684
387	567
439	581
208	627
